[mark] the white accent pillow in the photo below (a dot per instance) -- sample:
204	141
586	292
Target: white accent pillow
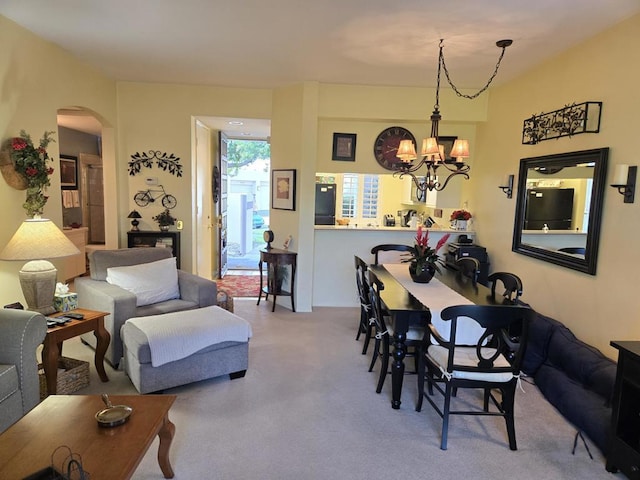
151	282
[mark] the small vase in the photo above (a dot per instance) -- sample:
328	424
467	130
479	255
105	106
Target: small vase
461	224
423	276
164	228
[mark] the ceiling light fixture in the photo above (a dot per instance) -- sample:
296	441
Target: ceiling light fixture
432	152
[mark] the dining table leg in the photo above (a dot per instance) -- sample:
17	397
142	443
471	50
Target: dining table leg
397	367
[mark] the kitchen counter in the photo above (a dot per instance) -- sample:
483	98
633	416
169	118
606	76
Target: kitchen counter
335	246
389	229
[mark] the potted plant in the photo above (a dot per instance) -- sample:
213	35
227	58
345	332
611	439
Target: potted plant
423	259
26	166
164	220
459	219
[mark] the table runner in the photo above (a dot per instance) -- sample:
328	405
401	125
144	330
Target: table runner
437	296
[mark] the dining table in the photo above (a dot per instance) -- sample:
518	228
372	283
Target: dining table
410	303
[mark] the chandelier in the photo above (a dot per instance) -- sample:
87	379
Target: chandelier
432	152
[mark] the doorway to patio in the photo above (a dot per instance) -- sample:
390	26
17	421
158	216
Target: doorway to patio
248	203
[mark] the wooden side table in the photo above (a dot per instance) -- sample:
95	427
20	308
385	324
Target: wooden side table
276	258
52	346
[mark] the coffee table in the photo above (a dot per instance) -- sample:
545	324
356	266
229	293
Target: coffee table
52	346
107	453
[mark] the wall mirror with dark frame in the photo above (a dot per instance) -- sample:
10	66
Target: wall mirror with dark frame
559	208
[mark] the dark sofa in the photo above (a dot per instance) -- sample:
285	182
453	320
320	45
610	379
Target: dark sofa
576	378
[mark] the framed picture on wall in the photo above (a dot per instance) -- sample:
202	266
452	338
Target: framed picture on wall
68	172
283	189
344	147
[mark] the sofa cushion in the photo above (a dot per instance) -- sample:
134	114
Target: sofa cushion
539	333
584	408
151	282
574	357
8	381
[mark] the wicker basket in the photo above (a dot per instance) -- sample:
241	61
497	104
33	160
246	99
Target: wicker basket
72	376
225	300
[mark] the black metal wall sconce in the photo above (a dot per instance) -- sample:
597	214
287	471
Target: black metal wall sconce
507	185
624	179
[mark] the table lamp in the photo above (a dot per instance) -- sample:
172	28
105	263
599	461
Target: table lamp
36	239
134	223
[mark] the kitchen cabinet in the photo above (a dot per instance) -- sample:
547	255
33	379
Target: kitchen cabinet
410	196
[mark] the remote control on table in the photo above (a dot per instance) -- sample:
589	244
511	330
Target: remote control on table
75	316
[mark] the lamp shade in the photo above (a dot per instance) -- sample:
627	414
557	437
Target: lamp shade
406	151
460	149
134	214
38	239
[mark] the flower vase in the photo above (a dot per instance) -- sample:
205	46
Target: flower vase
461	224
164	228
424	275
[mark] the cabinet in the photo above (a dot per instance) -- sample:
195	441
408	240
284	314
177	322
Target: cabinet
75	265
624	443
143	239
411	195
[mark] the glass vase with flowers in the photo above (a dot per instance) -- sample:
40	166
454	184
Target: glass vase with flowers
423	260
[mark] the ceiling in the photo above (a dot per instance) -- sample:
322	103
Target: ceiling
258	44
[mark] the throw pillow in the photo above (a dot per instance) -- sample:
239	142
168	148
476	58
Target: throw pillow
151	282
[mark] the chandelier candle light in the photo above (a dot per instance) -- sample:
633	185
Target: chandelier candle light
432	152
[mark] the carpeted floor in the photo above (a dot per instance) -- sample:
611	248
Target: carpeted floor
240	285
307	410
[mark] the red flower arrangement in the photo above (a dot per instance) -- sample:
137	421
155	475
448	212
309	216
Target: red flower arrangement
32	163
460	215
423	255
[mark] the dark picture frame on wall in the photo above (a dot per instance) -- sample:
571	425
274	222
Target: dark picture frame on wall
344	147
68	172
283	189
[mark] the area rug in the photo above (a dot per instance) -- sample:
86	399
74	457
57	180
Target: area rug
240	285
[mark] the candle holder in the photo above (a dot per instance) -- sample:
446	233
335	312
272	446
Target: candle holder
627	189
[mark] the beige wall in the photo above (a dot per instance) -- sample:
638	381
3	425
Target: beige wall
597	308
36	79
161	117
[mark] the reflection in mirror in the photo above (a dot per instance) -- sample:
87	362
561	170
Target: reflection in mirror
559	208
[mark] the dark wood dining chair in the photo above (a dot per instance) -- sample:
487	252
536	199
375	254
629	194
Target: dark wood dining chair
366	323
469	267
390	247
510	282
447	367
383	331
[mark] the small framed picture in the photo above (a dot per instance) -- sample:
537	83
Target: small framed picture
68	172
283	189
344	147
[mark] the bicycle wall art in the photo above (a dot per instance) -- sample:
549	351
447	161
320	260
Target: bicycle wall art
145	197
167	162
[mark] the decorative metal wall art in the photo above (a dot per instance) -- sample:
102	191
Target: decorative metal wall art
167	162
571	120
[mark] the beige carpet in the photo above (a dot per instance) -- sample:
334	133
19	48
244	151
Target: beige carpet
307	409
